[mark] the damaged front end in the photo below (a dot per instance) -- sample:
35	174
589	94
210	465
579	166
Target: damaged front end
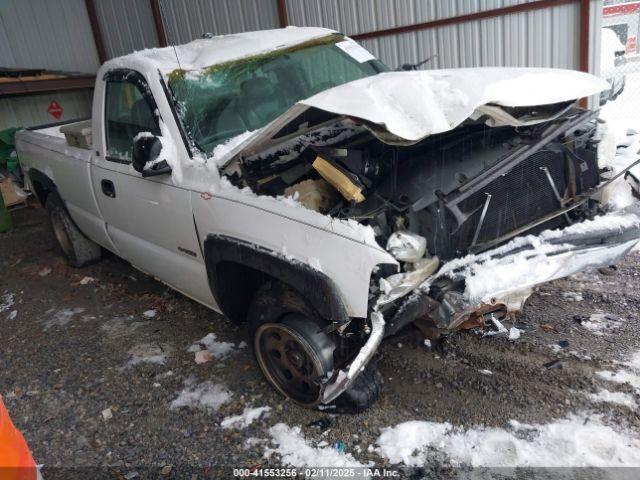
476	209
475	217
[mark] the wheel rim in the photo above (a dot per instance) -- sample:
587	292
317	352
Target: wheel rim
60	232
290	362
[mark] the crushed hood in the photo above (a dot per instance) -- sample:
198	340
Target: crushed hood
405	107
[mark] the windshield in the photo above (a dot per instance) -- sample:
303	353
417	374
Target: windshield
223	101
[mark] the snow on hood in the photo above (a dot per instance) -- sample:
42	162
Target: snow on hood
414	105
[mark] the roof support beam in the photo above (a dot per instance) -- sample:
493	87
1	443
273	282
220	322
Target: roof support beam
157	20
19	87
95	29
496	12
283	15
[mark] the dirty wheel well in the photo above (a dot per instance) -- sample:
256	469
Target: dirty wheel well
236	270
42	185
236	286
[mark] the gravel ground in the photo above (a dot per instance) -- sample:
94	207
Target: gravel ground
76	348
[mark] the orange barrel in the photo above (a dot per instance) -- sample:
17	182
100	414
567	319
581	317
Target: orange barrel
16	462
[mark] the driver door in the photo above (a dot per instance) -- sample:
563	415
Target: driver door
148	219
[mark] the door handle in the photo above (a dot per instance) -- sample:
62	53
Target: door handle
108	189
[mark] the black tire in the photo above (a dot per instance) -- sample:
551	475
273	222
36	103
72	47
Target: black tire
362	393
277	303
76	248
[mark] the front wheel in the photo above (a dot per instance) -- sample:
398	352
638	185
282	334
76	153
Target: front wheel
295	353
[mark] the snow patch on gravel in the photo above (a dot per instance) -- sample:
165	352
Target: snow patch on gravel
120	326
218	349
7	301
603	323
618	398
573	296
621	376
576	441
295	450
630	375
246	418
62	317
206	395
148	353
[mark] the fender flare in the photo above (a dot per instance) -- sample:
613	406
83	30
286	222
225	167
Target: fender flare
321	292
36	176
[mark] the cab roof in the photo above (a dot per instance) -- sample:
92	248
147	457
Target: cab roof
207	52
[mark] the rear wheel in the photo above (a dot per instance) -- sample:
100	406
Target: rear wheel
295	353
77	249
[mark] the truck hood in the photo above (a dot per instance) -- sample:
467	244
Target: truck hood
403	108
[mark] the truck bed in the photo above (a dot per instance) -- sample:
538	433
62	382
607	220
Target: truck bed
45	153
52	139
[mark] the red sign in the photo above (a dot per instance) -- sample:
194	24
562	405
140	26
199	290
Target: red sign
55	110
621	9
632	44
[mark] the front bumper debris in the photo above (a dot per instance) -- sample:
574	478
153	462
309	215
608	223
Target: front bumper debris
497	281
502	279
342	379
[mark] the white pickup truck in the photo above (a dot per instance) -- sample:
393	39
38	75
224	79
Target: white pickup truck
289	180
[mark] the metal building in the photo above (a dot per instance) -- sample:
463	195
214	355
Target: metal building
623	17
68	39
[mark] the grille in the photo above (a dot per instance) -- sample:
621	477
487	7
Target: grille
518	198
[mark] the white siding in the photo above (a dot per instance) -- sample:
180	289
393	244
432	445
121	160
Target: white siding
542	38
186	20
126	26
51	34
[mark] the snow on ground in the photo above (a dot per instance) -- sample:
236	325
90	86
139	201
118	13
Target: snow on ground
603	323
578	440
630	373
618	398
61	317
120	326
148	353
295	450
621	376
206	395
7	301
208	342
573	296
246	418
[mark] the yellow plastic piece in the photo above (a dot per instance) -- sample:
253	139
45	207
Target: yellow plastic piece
339	180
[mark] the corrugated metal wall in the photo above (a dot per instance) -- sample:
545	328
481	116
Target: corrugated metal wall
31	110
51	34
126	25
543	38
186	20
56	34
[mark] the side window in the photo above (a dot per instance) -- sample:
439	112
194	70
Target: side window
127	113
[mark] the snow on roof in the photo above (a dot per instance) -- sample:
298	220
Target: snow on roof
206	52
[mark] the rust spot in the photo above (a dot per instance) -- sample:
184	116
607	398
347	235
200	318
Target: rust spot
427	327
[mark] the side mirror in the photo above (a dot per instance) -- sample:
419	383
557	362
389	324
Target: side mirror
147	149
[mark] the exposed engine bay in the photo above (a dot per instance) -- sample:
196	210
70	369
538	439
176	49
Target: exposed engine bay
462	191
